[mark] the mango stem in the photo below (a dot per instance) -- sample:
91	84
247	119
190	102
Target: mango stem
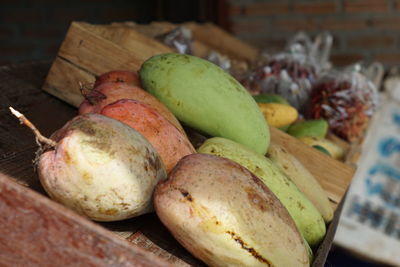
39	137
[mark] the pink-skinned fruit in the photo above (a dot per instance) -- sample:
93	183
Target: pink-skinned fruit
168	141
107	93
225	216
101	168
118	76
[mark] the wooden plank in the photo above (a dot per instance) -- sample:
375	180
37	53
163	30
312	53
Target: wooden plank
83	53
63	81
152	29
333	175
143	241
97	54
40	232
129	38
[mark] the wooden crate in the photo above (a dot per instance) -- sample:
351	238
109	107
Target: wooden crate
87	51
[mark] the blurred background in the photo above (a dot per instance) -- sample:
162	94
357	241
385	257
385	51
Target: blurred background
362	30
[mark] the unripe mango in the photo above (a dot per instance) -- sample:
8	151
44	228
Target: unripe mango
317	128
334	150
206	98
302	178
270	98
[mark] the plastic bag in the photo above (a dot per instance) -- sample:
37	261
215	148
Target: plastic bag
220	60
292	73
286	74
347	100
180	38
315	52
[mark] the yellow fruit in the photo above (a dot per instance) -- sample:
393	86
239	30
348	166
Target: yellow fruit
278	115
336	151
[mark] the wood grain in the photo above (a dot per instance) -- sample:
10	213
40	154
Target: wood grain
97	54
128	38
90	50
64	79
334	176
142	241
40	232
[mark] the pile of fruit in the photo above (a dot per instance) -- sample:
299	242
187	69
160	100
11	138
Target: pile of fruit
313	132
235	201
346	98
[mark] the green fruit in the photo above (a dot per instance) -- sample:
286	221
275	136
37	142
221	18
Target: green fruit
206	98
284	128
270	98
304	213
315	128
336	151
322	149
302	178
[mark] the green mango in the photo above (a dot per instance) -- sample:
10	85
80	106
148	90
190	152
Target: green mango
284	128
270	98
322	149
206	98
306	216
314	128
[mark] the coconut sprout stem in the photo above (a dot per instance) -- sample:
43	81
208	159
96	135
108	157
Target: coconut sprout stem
39	136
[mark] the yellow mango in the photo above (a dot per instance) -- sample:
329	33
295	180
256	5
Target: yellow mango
277	114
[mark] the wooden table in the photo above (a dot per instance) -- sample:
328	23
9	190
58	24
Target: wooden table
37	231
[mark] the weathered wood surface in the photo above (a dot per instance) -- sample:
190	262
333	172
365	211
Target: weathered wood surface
90	50
143	241
36	231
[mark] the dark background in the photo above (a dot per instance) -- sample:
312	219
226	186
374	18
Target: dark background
366	30
33	30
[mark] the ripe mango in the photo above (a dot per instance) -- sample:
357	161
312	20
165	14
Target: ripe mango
225	216
101	168
304	213
109	92
278	115
168	141
206	98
